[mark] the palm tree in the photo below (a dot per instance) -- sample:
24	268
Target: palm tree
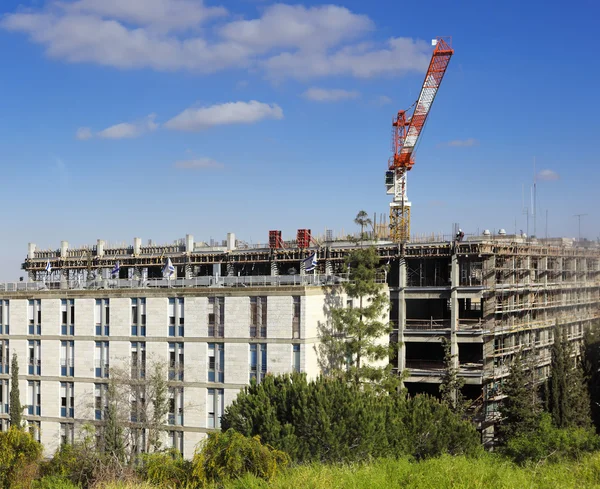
362	219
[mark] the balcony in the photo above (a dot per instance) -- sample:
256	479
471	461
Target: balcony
427	324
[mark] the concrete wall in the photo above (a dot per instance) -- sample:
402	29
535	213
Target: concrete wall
236	342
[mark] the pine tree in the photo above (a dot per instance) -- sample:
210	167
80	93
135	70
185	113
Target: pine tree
591	364
357	345
569	397
451	384
15	407
520	409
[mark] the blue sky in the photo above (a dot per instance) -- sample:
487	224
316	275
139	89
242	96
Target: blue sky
157	118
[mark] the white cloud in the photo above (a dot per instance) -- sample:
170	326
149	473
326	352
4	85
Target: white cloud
285	26
197	119
198	164
165	35
462	143
84	133
123	130
548	175
160	14
329	95
366	60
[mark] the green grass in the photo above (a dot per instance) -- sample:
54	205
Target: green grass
487	472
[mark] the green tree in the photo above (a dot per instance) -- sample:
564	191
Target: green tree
591	363
15	408
112	437
19	457
451	384
332	420
569	399
230	455
362	219
357	345
520	409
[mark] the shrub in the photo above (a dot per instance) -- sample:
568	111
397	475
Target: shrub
330	420
231	455
549	442
165	469
53	482
19	458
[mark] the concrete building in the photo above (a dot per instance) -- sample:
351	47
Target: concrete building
232	311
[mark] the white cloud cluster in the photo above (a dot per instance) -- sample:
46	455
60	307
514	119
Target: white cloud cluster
329	95
548	175
123	130
285	41
191	119
197	119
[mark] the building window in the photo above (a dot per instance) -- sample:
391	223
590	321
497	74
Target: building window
296	358
34	316
214	408
138	317
67	358
102	317
100	400
216	316
176	316
296	317
102	359
34	428
34	357
4	317
258	361
67	317
258	317
138	404
176	361
66	400
138	359
4	357
34	398
216	361
4	396
67	432
175	416
176	440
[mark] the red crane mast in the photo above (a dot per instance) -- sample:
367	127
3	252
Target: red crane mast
406	131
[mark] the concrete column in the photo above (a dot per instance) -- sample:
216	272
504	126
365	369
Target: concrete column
401	314
100	247
231	269
230	241
64	247
328	267
189	243
137	246
274	269
64	279
31	250
454	280
188	271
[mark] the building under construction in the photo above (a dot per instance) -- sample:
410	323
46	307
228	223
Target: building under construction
490	297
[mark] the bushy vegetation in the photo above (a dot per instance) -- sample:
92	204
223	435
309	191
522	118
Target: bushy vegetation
230	455
19	457
330	420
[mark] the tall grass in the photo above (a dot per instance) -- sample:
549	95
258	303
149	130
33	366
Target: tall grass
487	472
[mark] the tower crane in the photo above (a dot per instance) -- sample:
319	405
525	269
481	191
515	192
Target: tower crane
407	127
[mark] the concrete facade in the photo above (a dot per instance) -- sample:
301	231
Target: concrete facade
52	425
